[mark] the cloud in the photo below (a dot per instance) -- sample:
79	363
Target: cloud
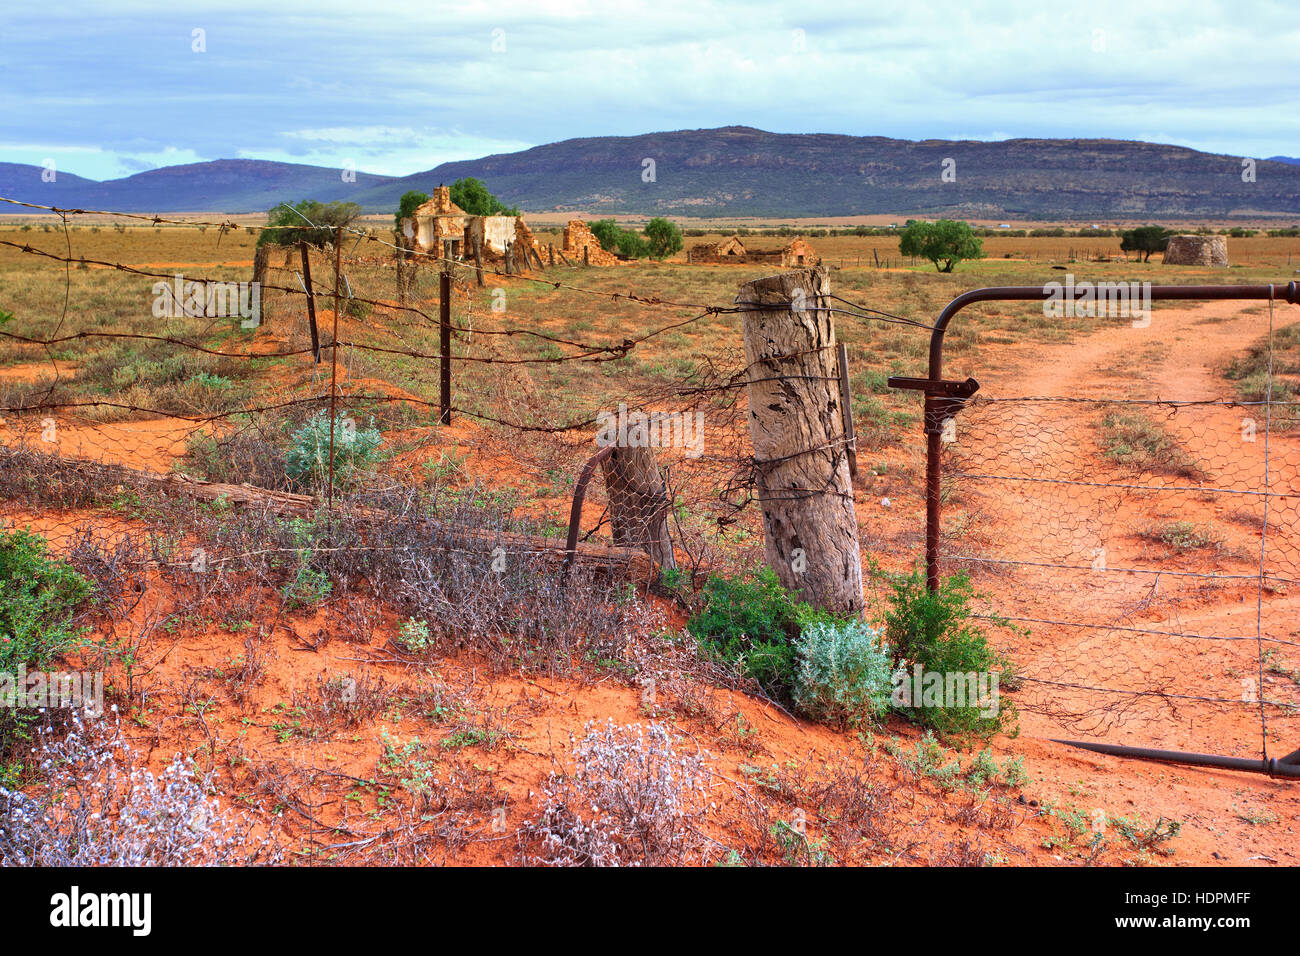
401	88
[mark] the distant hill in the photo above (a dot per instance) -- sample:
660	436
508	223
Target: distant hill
1294	160
739	171
223	185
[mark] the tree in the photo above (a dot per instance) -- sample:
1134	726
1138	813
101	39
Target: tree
1144	239
307	212
624	242
944	241
472	195
664	238
411	200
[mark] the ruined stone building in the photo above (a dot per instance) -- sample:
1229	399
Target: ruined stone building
1197	251
441	221
580	245
797	252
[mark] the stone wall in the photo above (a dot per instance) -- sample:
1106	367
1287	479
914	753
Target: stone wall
730	249
577	237
793	254
1197	251
798	253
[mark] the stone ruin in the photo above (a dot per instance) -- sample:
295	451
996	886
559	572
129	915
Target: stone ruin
439	220
797	252
579	240
1197	251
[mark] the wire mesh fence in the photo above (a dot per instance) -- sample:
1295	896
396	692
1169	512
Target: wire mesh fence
1146	550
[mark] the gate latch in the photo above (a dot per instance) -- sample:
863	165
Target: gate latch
943	398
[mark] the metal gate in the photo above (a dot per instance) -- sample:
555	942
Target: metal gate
1137	523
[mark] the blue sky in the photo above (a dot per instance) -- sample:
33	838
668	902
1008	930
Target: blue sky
109	88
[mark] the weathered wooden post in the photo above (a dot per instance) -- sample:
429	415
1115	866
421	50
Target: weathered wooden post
638	502
444	336
801	457
311	300
261	266
261	263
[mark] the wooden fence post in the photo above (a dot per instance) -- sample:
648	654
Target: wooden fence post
478	259
444	343
311	300
638	502
801	458
261	265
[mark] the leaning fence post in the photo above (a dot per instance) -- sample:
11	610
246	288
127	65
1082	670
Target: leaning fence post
638	502
800	451
311	299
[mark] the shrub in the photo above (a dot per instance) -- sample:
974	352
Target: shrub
39	596
248	455
414	635
844	673
308	459
411	200
935	630
285	223
624	242
95	807
751	623
310	585
629	801
1135	441
472	195
664	238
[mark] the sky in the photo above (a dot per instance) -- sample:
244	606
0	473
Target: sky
108	88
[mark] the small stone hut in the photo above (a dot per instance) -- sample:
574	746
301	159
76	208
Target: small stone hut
796	252
1197	251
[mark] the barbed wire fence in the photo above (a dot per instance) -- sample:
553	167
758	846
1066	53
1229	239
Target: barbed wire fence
159	394
1075	539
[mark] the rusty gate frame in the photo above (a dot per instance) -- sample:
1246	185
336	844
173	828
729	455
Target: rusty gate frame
944	399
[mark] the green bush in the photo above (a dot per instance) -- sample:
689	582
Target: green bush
844	673
308	458
623	242
472	195
309	585
39	596
752	623
287	225
936	631
663	237
411	200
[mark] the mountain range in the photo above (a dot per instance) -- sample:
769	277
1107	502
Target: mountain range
739	171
